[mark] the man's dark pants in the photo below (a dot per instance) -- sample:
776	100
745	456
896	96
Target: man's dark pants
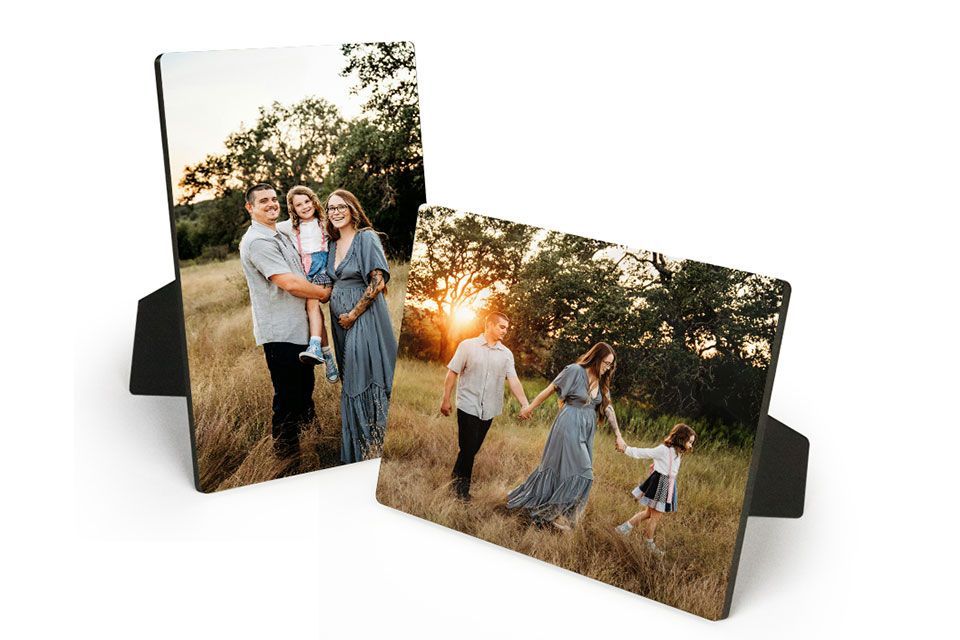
292	395
471	431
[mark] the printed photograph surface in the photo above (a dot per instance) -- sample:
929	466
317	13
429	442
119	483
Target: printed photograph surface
296	175
584	403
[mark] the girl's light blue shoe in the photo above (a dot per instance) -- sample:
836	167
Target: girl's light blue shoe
654	549
331	364
312	355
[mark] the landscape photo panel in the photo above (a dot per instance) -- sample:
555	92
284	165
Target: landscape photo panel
588	404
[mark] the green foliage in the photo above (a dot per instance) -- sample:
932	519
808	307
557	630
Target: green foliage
419	335
380	157
711	330
210	223
462	256
376	165
377	156
691	339
387	74
287	146
569	289
651	426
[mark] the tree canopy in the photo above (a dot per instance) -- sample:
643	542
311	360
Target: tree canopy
287	146
691	339
377	156
459	259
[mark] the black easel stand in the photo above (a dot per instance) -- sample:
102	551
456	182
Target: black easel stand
781	478
159	366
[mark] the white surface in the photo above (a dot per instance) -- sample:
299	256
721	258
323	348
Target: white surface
817	143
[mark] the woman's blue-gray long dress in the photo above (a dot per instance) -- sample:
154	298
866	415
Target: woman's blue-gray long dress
366	352
561	484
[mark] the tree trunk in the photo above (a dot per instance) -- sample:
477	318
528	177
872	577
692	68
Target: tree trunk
442	350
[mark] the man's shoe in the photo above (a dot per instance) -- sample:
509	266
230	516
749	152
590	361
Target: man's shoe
461	488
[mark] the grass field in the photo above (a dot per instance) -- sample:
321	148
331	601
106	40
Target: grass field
421	447
231	387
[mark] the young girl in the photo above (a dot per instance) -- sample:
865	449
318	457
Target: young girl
658	493
310	239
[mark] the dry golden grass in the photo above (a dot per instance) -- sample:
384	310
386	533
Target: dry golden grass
421	447
231	387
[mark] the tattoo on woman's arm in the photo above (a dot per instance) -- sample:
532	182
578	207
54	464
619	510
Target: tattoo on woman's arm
370	293
612	417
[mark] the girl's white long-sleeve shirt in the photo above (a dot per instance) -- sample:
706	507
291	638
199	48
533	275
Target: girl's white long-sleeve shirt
662	455
312	236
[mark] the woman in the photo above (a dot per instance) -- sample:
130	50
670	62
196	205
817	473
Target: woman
362	334
558	489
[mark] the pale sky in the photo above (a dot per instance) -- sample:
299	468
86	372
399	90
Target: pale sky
207	94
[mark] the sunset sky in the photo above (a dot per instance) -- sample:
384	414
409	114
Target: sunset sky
207	94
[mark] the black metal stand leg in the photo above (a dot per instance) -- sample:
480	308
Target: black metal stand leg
782	473
159	366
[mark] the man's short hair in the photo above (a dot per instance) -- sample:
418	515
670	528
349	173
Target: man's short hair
495	315
260	186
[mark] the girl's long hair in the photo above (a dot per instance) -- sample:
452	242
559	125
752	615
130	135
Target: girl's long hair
591	360
357	215
678	438
300	190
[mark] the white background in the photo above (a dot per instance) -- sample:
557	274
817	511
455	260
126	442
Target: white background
817	142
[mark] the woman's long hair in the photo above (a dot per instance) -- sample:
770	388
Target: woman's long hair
300	190
678	438
591	360
357	215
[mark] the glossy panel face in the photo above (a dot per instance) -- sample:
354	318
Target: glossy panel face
684	352
254	140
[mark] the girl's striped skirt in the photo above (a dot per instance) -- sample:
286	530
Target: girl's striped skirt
658	492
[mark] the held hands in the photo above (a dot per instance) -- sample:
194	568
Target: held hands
621	444
525	412
346	320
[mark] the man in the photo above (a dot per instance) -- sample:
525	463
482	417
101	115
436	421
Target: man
278	287
478	368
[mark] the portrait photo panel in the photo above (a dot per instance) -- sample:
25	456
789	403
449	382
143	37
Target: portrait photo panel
588	404
295	177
